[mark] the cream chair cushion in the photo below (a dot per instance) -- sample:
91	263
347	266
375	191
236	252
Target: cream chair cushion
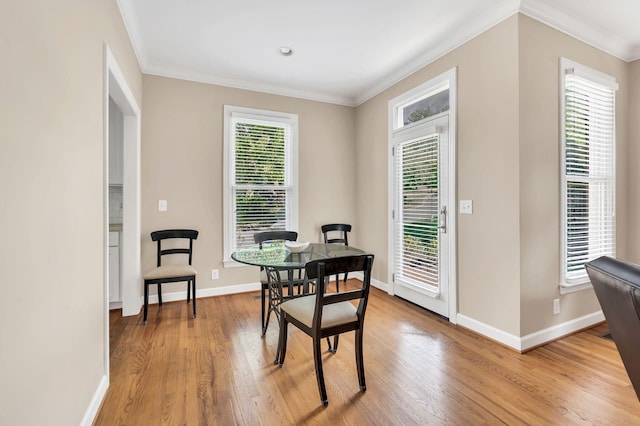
302	308
170	271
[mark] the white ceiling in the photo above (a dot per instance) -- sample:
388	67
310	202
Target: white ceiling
345	51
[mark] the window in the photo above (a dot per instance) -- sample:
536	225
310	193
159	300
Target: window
588	169
422	102
260	174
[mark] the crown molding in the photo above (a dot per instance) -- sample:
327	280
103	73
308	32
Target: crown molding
131	23
130	20
204	77
587	33
475	24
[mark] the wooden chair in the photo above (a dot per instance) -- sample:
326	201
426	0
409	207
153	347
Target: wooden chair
329	230
173	272
328	314
286	277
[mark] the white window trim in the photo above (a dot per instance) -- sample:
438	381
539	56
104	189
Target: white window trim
228	160
567	65
425	90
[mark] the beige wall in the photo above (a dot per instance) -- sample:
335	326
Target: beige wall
182	162
51	183
540	50
487	168
632	160
508	164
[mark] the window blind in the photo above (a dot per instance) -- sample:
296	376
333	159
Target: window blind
260	177
417	257
589	173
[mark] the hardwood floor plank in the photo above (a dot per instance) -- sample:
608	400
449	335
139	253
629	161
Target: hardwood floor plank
420	369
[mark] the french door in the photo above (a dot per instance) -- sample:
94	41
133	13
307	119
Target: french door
421	235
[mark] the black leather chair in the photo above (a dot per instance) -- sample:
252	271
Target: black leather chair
330	237
328	314
617	286
287	278
173	272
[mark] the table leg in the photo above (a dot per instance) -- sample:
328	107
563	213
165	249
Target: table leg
275	296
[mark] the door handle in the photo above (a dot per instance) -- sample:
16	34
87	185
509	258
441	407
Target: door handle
443	220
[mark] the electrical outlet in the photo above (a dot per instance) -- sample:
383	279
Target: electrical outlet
556	306
214	274
162	205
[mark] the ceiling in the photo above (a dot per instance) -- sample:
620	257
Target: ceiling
344	52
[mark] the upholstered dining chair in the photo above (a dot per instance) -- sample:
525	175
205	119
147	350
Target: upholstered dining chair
287	278
174	272
336	233
329	314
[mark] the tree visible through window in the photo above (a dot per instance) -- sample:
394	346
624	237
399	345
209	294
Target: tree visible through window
430	105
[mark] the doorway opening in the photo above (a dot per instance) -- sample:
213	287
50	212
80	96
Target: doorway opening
117	91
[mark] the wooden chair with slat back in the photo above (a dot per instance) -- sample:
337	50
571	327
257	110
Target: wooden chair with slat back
329	232
170	273
329	314
288	278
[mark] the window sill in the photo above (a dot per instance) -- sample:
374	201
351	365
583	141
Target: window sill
230	263
574	288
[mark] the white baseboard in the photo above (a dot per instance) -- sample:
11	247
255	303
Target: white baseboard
382	286
489	331
94	406
374	283
520	344
234	289
532	340
557	331
205	292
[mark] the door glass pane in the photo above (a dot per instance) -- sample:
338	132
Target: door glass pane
417	257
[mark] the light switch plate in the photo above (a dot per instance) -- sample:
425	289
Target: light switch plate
466	206
162	205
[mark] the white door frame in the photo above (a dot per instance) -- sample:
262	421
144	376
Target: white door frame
116	86
450	77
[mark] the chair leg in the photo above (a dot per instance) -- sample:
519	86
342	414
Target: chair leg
266	323
160	294
282	341
317	358
332	348
193	283
146	302
359	360
263	298
188	291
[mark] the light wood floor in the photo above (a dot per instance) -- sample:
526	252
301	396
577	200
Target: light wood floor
420	369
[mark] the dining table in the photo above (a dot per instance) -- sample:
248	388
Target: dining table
276	257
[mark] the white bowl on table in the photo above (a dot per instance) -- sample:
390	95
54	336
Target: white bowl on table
295	246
